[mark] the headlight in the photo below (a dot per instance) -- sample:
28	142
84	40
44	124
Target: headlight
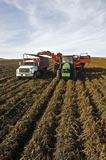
17	70
31	70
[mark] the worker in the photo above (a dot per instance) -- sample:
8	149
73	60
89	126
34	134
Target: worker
71	60
64	60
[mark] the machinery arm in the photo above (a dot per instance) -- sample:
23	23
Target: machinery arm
56	57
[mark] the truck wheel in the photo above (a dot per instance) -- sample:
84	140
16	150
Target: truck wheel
35	76
45	70
19	78
74	74
81	70
58	74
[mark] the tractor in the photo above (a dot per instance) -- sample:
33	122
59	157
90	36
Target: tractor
67	68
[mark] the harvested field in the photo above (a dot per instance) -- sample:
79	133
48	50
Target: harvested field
44	119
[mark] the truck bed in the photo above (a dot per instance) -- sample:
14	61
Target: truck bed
43	63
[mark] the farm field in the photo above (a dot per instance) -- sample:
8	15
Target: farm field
48	120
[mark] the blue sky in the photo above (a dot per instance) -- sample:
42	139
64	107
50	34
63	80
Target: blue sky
67	26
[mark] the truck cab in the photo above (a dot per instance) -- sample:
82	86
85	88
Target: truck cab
27	69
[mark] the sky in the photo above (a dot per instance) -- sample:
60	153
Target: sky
66	26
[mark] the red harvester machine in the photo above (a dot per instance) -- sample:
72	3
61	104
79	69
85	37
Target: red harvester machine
76	62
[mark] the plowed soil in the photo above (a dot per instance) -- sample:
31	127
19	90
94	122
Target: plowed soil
44	119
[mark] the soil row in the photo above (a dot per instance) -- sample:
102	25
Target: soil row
9	87
99	83
17	89
97	98
23	129
9	96
92	136
42	144
20	102
69	129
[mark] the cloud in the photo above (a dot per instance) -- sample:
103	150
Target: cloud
72	26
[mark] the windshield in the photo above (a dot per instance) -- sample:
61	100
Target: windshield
67	59
28	63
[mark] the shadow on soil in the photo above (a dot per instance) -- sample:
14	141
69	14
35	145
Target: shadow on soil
93	73
48	74
103	70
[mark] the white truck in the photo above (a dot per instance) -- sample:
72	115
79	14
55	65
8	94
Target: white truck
32	65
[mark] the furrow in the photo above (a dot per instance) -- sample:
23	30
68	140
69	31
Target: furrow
13	115
97	100
69	129
11	88
42	143
92	131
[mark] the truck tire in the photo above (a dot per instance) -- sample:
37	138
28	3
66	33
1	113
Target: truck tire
45	70
81	70
35	76
19	78
58	75
74	74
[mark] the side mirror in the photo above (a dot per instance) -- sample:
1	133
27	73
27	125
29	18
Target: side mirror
19	63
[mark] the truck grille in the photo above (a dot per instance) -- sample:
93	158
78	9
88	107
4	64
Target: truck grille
23	70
